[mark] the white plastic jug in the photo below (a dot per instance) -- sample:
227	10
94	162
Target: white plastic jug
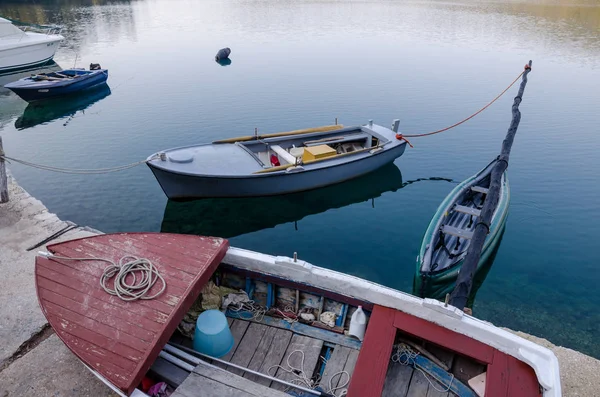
358	324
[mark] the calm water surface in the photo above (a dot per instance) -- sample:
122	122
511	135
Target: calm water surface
299	64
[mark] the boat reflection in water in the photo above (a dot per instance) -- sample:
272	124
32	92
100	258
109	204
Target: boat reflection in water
478	280
224	62
41	112
230	217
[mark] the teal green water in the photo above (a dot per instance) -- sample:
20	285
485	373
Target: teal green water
300	64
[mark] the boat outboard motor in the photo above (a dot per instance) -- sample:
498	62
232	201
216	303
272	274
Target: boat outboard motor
95	66
223	54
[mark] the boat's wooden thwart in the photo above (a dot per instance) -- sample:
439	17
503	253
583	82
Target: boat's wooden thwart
120	340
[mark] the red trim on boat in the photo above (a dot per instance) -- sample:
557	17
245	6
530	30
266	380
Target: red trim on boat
120	340
374	357
444	337
507	377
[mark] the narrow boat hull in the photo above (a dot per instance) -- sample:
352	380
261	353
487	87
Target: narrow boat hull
436	284
35	93
181	186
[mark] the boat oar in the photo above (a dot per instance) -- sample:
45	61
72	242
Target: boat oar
278	134
171	350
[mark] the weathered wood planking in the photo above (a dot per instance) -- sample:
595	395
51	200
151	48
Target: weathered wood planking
238	329
351	362
336	363
310	347
247	347
397	380
304	329
120	340
235	381
269	352
419	385
374	358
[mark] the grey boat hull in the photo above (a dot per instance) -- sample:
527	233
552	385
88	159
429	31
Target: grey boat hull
183	186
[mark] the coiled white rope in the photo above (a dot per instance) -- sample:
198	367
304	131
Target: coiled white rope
141	272
403	350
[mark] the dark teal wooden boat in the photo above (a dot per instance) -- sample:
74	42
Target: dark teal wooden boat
448	236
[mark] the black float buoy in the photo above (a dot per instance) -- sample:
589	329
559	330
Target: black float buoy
223	54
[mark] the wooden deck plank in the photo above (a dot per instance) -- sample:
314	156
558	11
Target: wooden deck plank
372	365
196	384
119	349
397	380
131	346
444	337
183	259
98	356
310	347
336	363
146	319
54	271
419	385
247	347
238	329
269	352
102	249
236	381
121	339
82	270
138	336
351	362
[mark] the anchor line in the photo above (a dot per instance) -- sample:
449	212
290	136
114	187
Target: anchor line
403	137
74	170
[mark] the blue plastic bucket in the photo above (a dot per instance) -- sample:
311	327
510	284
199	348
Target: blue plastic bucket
213	336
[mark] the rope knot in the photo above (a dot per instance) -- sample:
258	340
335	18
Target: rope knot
401	137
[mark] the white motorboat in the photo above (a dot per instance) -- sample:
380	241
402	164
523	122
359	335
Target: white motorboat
20	49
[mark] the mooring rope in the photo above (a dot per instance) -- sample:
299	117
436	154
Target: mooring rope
404	136
83	171
142	272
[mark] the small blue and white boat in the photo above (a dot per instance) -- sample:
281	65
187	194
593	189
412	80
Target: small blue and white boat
279	163
53	84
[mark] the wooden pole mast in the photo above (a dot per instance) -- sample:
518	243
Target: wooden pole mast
464	282
3	177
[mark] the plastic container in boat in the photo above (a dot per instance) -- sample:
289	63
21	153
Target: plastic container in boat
358	324
212	335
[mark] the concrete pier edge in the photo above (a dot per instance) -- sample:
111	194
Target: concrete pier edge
34	362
